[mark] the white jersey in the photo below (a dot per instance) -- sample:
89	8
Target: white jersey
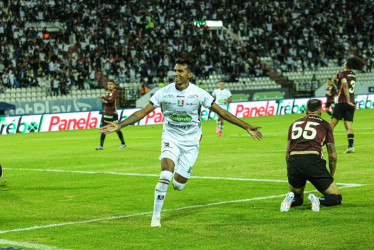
221	96
182	112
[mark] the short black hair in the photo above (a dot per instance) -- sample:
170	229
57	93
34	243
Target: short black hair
185	62
355	63
313	105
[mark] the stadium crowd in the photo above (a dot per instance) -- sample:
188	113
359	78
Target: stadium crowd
138	41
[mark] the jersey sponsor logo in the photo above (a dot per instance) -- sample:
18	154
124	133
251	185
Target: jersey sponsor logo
193	96
178	126
181	118
169	96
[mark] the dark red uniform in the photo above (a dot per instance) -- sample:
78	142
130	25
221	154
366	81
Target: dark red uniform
351	80
307	135
342	109
110	107
330	94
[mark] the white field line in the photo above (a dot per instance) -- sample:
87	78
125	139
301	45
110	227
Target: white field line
147	213
139	214
156	175
28	245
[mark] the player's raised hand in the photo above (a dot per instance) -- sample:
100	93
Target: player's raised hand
111	127
255	132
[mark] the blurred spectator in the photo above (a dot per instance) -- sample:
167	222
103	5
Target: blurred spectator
148	35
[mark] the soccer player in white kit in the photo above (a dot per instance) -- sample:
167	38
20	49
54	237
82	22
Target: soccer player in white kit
222	98
180	103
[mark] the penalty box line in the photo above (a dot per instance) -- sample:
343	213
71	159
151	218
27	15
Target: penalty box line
155	175
147	213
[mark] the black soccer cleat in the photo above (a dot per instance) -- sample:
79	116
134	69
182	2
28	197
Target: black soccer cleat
1	172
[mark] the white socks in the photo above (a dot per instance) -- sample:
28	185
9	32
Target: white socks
160	193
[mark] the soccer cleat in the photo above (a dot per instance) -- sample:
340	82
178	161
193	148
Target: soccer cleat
1	172
217	130
99	148
220	134
122	146
315	202
350	150
286	204
156	222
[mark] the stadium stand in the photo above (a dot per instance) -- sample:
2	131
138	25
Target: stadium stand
80	44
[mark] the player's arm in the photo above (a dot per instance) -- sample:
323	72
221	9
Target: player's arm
288	151
251	129
332	157
346	92
228	100
133	118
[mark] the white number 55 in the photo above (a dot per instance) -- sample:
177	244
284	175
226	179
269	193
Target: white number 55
309	132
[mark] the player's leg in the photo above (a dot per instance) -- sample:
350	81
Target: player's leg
324	183
332	196
296	181
169	156
350	135
119	132
102	139
327	108
219	126
120	136
186	161
333	123
337	114
294	198
219	120
102	136
167	166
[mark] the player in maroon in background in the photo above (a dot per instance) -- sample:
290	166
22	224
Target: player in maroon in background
345	108
330	94
306	137
110	113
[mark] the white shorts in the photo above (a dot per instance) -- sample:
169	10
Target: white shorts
184	157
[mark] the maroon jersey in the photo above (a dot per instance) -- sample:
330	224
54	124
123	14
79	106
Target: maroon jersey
330	93
110	105
309	133
351	80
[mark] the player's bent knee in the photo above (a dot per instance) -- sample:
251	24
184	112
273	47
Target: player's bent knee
331	200
178	186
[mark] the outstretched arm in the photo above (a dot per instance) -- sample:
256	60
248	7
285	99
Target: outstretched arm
251	129
133	118
332	157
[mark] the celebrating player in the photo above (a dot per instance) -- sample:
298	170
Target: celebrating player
306	137
345	108
110	113
222	98
180	104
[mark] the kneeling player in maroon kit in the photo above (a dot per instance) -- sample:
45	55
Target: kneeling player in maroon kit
306	136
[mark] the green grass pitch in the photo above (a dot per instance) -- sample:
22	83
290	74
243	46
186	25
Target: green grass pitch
58	192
